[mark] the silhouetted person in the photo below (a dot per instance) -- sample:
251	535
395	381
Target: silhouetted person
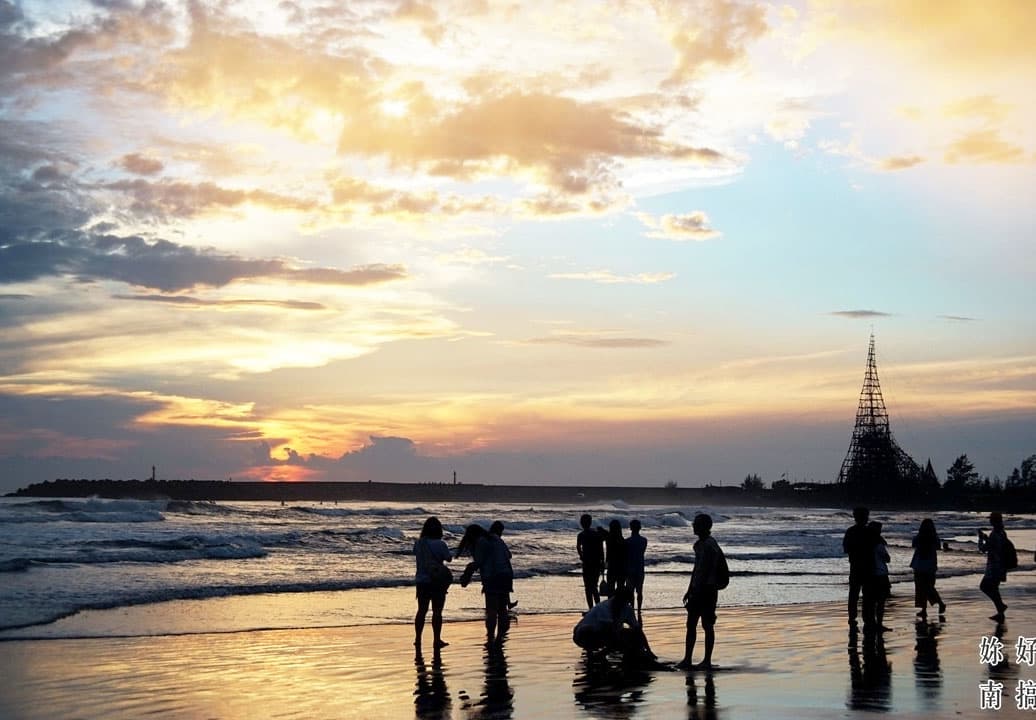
492	559
925	564
857	544
993	545
702	593
615	545
430	552
881	588
612	626
590	547
636	546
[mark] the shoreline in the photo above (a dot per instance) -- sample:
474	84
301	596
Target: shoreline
333	609
781	662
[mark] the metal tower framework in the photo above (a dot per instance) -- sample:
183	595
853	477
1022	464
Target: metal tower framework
875	464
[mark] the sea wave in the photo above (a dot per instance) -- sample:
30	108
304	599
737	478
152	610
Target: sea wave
91	510
208	592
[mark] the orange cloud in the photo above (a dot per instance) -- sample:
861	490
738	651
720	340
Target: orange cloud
692	226
984	146
712	34
900	162
567	143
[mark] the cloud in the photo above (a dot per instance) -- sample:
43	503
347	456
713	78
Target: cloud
958	318
163	265
712	34
691	226
190	301
352	194
177	199
588	340
982	106
900	162
860	314
568	144
984	146
141	164
607	277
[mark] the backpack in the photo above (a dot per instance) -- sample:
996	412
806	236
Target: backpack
1009	555
722	571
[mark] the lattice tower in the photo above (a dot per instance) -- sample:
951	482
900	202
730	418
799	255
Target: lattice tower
875	464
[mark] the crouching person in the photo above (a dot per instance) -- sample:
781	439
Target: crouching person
612	626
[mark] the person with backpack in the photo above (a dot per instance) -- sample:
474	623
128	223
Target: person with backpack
710	575
433	580
1000	557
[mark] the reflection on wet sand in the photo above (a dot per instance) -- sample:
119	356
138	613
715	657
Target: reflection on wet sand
870	680
609	689
698	707
431	697
927	673
497	698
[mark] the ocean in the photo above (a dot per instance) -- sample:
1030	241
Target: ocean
326	564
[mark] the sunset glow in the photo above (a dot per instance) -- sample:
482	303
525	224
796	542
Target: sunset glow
587	242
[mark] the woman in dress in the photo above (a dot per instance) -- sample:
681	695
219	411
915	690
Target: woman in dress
924	563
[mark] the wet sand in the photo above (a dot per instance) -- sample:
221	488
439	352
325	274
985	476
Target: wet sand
785	662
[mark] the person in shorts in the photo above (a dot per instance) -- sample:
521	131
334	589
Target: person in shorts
702	594
430	550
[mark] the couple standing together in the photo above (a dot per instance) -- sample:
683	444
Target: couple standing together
491	558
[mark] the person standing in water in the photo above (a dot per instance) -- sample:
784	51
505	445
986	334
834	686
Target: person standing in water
702	593
993	545
431	552
615	545
925	564
590	548
492	559
858	545
636	546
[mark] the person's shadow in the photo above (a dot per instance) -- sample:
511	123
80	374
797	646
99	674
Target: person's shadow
870	680
701	707
431	698
608	689
497	698
927	673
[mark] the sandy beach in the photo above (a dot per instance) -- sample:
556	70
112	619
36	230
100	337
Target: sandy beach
784	662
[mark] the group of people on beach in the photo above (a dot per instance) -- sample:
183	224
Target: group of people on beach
613	569
869	572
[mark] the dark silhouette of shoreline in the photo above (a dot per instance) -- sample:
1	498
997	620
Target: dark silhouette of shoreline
812	495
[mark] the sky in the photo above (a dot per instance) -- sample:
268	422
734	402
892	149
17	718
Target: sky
589	243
